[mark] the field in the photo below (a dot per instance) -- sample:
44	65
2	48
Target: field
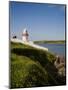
51	41
30	67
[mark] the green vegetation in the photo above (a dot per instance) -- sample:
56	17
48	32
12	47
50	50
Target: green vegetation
51	41
30	67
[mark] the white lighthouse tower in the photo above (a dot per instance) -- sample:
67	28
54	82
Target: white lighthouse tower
25	35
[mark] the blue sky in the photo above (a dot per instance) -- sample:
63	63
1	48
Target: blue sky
43	21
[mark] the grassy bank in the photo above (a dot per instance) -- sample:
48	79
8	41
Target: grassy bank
51	41
30	67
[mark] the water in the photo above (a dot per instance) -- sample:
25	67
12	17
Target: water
58	49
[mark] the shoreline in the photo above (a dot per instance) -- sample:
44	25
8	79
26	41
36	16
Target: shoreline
50	42
53	51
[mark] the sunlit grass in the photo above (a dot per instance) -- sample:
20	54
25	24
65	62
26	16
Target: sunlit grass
30	67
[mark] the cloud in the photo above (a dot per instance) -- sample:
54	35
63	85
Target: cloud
59	6
52	5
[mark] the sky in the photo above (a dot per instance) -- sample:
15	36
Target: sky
42	21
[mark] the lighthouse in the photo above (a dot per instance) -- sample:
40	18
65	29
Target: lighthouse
25	35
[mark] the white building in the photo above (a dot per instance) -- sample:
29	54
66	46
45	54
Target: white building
25	35
25	40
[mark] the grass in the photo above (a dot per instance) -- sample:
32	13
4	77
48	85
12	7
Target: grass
30	67
51	41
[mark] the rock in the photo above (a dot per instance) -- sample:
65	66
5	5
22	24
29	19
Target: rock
60	65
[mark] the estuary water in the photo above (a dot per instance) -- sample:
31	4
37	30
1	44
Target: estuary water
58	49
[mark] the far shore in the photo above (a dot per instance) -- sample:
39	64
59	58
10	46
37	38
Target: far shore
50	41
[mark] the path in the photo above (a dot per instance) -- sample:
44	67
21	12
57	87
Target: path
30	44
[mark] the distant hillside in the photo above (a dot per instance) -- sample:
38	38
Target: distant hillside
51	41
30	67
